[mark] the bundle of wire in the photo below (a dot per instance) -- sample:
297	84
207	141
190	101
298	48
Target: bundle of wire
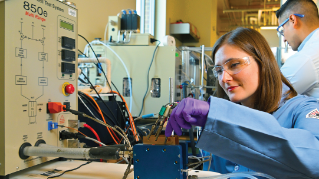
111	121
107	119
131	121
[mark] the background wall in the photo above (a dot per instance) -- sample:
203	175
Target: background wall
93	16
202	14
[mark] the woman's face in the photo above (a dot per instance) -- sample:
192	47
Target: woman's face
242	86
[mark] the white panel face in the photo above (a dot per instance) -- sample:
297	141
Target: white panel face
137	60
33	75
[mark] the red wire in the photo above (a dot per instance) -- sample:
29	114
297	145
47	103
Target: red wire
96	135
94	132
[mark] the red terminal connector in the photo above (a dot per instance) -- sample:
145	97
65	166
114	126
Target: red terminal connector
55	107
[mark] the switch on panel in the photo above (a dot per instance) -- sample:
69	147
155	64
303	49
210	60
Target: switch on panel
68	43
67	67
68	55
69	89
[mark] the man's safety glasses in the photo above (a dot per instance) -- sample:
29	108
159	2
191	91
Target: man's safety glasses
280	29
231	66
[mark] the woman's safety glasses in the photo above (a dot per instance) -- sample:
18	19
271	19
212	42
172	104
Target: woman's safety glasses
231	66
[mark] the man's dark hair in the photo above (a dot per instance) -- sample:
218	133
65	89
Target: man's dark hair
305	7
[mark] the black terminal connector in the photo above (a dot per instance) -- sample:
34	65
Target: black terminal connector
67	105
75	112
69	135
153	40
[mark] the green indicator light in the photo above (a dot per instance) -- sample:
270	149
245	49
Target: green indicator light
62	74
176	54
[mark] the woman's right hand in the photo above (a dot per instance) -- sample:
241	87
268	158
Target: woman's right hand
187	113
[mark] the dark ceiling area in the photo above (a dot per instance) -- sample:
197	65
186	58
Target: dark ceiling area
246	13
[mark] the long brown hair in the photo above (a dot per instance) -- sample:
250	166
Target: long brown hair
269	91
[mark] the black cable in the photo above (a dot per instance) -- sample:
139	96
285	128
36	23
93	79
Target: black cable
70	170
127	171
148	73
120	98
81	52
100	67
99	95
90	102
85	82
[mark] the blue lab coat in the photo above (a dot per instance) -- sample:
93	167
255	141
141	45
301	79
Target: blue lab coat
283	144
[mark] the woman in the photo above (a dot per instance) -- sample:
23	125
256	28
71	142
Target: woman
266	126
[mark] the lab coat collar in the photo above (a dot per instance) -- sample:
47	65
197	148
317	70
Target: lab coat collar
306	40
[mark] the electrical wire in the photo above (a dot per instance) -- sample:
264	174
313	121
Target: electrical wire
130	117
210	161
100	122
89	127
85	136
94	132
94	140
147	82
190	164
86	106
91	102
123	159
81	52
96	64
115	87
127	73
99	111
100	97
126	109
110	131
71	170
100	67
96	135
127	171
89	99
73	129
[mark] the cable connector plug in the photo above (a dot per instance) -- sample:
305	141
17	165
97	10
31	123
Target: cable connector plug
75	112
52	125
69	135
55	107
152	40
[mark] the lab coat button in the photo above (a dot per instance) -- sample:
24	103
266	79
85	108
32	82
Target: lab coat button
236	168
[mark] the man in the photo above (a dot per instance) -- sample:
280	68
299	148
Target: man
299	23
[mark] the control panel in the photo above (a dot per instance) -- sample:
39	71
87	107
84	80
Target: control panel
38	50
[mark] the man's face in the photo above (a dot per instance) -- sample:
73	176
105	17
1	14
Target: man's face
289	33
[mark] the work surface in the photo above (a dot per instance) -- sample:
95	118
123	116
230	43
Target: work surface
94	170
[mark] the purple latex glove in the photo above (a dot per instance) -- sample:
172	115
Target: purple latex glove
187	113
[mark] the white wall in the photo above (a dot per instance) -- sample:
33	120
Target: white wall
93	16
